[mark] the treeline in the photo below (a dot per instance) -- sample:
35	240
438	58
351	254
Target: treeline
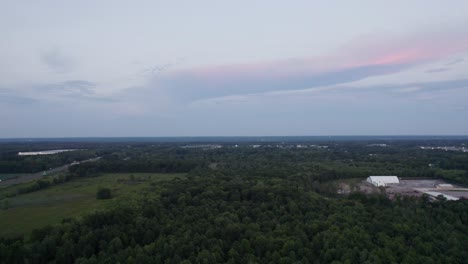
316	167
12	163
338	161
135	166
219	219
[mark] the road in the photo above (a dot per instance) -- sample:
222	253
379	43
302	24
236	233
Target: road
35	176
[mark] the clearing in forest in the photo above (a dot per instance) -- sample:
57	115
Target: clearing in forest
75	198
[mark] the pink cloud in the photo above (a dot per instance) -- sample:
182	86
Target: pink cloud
359	59
404	56
377	51
417	48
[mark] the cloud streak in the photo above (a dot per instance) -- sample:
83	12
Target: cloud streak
455	61
73	90
77	91
189	87
350	92
436	70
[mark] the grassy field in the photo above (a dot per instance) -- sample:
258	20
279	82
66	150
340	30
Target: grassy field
71	199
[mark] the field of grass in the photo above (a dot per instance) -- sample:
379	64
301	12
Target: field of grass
75	198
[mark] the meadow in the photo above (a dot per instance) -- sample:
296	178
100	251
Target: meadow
25	212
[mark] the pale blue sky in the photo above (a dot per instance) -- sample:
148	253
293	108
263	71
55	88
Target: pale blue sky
237	68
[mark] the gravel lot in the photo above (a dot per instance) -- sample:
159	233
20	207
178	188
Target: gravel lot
418	187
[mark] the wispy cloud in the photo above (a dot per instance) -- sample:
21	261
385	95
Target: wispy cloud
455	61
436	70
157	69
71	88
9	96
80	91
410	89
348	92
57	61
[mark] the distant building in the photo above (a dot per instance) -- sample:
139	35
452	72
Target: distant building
382	180
377	145
44	152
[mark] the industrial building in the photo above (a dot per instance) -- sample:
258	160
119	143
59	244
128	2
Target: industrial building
44	152
382	180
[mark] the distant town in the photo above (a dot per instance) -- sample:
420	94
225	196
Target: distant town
447	148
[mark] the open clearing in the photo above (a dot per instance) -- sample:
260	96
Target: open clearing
75	198
417	187
409	187
406	187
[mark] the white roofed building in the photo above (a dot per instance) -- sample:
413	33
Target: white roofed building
382	180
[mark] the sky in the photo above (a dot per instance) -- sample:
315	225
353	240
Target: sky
233	68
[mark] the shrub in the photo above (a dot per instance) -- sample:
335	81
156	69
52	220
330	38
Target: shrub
103	193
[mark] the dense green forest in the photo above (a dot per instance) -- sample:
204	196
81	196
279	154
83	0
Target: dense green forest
267	204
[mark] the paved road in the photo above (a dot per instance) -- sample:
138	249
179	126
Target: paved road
35	176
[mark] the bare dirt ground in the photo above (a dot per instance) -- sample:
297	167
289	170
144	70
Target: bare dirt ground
366	187
407	187
413	187
418	186
353	185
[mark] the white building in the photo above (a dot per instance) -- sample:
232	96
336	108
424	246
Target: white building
44	152
382	180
